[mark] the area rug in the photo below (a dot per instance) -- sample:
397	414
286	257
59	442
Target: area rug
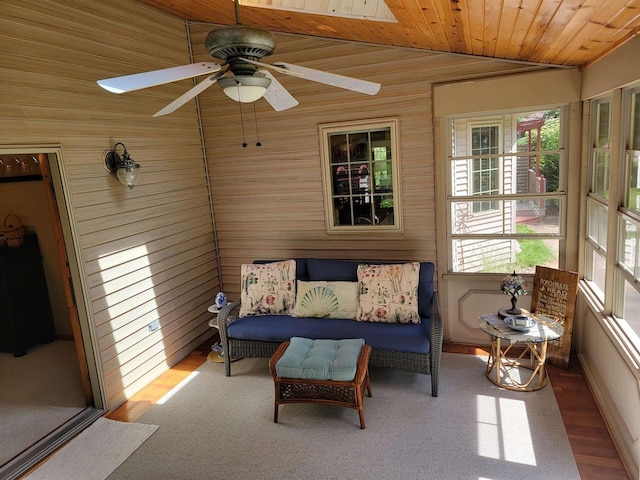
95	452
215	426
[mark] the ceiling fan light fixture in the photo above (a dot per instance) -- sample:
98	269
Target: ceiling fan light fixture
244	88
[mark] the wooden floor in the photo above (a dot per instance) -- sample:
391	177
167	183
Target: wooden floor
593	449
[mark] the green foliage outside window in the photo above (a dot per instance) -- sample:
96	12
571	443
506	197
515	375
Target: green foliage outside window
532	251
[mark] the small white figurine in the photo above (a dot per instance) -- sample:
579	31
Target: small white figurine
221	300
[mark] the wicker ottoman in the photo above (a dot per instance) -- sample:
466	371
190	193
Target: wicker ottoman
339	393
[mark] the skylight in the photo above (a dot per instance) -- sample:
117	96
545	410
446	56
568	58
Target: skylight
374	10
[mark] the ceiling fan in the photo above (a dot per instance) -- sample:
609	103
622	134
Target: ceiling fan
240	48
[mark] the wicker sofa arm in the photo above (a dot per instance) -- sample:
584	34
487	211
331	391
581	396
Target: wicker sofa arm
436	336
227	315
436	318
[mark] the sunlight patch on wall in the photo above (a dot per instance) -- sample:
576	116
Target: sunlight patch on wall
128	287
112	259
122	269
503	430
374	10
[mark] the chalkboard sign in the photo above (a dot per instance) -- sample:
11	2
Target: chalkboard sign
554	295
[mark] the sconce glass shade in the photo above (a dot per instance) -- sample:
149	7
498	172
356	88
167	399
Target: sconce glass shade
129	176
126	169
244	88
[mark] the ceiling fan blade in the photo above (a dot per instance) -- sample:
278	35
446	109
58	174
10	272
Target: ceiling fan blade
277	96
273	67
185	97
129	83
341	81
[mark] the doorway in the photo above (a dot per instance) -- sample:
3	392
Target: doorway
48	392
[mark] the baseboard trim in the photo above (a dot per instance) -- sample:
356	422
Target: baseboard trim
613	420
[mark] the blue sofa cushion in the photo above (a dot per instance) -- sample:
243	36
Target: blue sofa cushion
332	270
320	359
382	336
425	289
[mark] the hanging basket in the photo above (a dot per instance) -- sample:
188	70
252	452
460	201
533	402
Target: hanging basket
13	231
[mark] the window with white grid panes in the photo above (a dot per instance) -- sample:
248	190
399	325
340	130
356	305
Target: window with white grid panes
598	199
626	285
361	171
506	194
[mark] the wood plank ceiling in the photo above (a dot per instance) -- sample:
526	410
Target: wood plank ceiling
559	32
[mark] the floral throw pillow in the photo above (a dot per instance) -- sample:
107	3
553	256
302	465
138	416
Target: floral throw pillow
268	289
326	299
388	293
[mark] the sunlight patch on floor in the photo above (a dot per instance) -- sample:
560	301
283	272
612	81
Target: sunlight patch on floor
176	389
503	430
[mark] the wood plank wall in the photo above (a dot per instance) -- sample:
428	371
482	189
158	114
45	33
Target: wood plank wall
268	200
149	252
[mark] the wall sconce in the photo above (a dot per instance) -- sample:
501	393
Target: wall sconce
125	168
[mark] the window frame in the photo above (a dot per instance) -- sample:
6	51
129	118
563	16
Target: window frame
622	274
493	207
597	204
620	292
456	236
325	131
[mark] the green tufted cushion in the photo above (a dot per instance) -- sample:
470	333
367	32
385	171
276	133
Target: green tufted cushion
320	359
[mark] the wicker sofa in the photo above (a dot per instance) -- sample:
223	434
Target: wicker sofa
415	347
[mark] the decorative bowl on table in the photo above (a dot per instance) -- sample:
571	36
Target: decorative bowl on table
521	323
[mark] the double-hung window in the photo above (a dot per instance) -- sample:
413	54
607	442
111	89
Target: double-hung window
625	289
506	193
598	197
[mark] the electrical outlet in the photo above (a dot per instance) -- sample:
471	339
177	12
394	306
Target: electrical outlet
155	325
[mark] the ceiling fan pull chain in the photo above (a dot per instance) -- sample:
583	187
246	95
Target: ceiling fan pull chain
255	119
244	140
236	6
